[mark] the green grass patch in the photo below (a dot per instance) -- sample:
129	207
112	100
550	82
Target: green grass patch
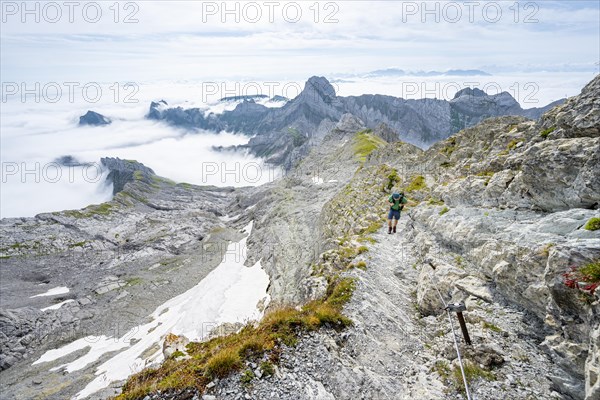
444	210
372	228
593	224
134	281
298	139
392	179
435	202
459	262
365	143
360	265
416	184
545	250
442	368
473	372
223	363
450	147
591	272
491	327
221	356
486	173
247	377
137	197
267	368
367	239
513	143
177	354
90	211
157	180
548	131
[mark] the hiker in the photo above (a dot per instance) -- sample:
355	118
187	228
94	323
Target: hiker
397	201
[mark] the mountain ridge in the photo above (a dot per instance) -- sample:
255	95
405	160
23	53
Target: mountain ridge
420	122
499	209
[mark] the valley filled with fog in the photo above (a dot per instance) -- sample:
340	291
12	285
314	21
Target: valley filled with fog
38	131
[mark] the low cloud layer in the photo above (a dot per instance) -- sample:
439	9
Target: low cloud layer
35	135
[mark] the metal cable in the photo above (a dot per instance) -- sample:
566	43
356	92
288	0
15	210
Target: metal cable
462	369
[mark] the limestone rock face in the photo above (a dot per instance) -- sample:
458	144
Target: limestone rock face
579	116
592	365
123	171
174	343
517	196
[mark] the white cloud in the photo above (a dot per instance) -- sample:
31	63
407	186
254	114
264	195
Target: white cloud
36	134
171	40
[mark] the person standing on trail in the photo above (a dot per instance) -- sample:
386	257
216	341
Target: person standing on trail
397	201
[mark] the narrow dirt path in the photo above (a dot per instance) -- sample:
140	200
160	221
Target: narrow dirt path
387	336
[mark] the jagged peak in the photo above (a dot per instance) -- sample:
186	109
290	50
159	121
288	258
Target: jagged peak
158	103
93	118
321	86
475	92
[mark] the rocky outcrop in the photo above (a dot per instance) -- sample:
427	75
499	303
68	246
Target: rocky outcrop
125	171
156	107
578	117
94	119
70	161
192	118
502	215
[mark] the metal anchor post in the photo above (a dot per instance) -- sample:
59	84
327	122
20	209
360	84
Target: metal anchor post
458	308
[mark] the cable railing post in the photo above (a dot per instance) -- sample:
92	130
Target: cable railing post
458	307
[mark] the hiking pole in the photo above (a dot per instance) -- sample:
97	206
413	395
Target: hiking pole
460	363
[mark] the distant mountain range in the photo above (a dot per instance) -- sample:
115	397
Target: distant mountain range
284	134
391	72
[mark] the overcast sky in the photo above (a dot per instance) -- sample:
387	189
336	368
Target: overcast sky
282	40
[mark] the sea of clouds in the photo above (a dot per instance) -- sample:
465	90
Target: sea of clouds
36	131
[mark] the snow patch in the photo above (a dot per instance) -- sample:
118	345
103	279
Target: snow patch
227	218
230	293
57	306
53	292
317	180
